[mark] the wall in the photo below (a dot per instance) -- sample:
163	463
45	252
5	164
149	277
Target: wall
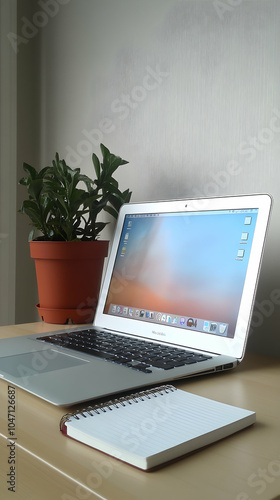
27	47
8	116
187	91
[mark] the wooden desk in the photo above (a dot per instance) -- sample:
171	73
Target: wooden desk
245	466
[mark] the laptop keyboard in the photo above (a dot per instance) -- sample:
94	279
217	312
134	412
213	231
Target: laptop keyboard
127	351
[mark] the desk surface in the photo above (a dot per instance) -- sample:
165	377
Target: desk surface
245	466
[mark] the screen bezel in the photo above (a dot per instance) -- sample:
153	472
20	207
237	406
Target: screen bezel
187	338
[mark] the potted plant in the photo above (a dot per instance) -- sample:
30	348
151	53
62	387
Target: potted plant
63	206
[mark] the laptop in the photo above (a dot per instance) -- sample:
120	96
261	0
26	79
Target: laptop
176	301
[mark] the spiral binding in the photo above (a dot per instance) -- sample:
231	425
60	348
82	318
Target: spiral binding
116	403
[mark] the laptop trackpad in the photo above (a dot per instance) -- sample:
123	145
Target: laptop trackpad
35	363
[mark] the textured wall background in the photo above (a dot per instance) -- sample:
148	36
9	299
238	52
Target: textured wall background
187	91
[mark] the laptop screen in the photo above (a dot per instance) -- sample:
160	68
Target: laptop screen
185	269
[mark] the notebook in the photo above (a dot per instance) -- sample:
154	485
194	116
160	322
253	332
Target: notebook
152	427
180	285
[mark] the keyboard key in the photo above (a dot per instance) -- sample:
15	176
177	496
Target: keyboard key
162	364
135	353
200	357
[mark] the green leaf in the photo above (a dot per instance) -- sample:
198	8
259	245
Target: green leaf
31	209
111	211
126	196
77	197
30	170
24	181
35	188
96	164
99	226
64	204
110	187
31	235
43	172
116	162
90	200
105	152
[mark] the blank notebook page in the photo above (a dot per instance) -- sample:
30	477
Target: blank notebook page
161	421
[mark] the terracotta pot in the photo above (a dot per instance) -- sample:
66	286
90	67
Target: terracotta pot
68	277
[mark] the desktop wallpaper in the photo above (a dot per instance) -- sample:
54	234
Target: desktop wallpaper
190	264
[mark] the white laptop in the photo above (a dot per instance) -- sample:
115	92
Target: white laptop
176	301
